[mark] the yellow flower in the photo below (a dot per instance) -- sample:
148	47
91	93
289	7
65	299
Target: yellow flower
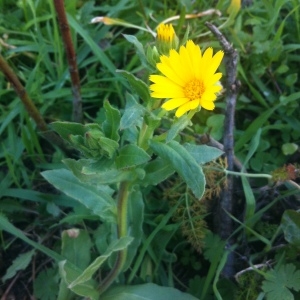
165	32
166	38
189	79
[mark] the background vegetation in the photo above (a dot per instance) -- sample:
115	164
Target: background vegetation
180	245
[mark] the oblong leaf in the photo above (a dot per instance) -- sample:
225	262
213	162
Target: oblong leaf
87	274
20	263
203	153
148	291
100	203
184	163
131	156
132	114
137	85
290	224
112	123
157	171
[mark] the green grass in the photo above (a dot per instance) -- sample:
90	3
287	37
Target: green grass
266	35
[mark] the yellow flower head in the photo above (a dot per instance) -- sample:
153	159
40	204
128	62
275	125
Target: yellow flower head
166	38
189	79
165	32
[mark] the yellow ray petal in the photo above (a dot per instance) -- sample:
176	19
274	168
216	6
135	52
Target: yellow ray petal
183	109
208	96
205	62
195	55
209	105
166	68
179	68
194	103
215	62
186	62
213	79
174	103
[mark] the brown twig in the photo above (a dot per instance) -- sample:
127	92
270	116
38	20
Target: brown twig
29	105
226	205
71	57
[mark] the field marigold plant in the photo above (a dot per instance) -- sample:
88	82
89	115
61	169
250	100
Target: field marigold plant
189	79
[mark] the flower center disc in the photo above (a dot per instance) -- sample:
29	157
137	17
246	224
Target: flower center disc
194	89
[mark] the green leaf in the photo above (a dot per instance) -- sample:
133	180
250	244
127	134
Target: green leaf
137	85
112	123
87	274
279	282
98	52
131	156
65	129
214	247
177	126
184	163
76	247
100	203
9	227
85	173
69	274
20	263
132	114
108	146
135	219
290	224
148	291
289	148
157	171
45	286
215	123
253	128
248	192
139	47
203	153
253	146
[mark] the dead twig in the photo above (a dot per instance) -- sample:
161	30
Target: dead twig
231	85
29	105
71	57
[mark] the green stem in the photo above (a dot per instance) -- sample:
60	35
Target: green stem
227	172
146	134
122	232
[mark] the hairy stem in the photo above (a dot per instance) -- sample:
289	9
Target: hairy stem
71	57
122	232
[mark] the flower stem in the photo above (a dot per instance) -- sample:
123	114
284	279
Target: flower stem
122	232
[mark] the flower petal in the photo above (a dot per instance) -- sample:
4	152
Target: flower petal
215	62
186	61
166	68
174	103
165	88
195	56
213	79
183	109
195	103
209	105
